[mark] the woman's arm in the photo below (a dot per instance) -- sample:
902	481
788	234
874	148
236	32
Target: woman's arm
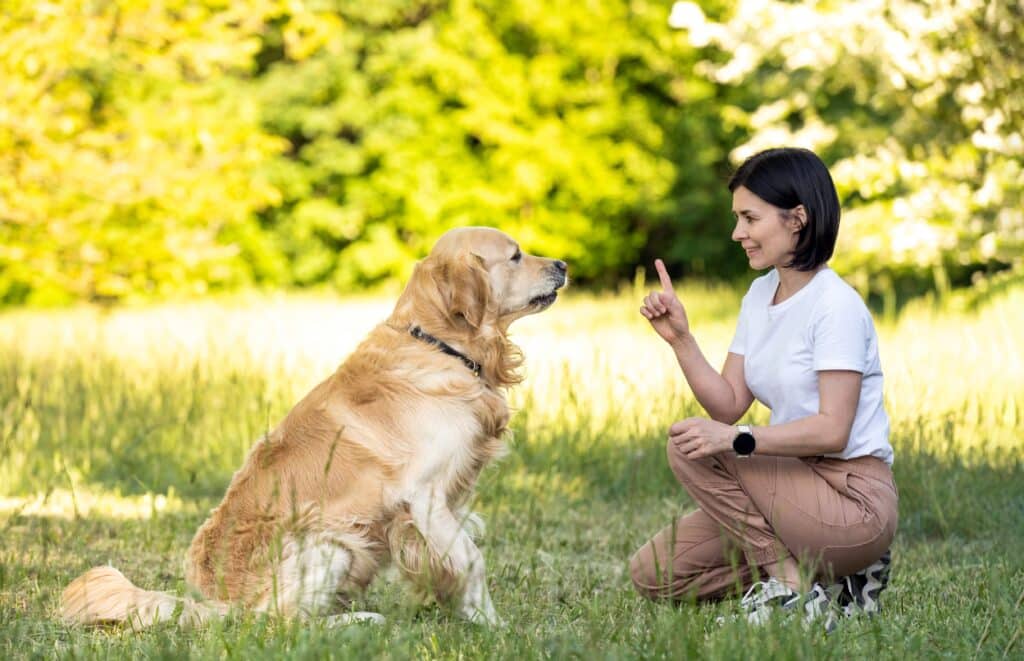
826	432
724	396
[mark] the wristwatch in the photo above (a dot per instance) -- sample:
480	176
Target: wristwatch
743	444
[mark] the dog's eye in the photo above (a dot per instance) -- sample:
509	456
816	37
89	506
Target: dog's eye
518	256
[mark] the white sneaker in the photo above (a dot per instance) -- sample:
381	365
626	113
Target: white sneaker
764	596
819	605
861	590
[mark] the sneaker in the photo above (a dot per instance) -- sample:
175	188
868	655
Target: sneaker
821	605
765	597
818	605
860	590
762	597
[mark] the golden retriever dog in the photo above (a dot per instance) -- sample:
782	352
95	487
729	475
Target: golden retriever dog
375	465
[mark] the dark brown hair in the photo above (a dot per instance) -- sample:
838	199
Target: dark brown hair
788	177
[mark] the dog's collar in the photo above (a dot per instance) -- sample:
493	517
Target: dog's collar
419	334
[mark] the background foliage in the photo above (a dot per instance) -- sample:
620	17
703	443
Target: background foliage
915	105
149	149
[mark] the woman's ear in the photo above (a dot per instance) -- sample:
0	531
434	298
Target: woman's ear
798	218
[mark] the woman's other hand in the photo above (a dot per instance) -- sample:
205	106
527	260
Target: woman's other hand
700	437
664	309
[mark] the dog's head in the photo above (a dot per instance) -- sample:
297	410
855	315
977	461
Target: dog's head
473	284
477	277
485	274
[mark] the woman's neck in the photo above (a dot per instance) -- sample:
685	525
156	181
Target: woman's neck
791	281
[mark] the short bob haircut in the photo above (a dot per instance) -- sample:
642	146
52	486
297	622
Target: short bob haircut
787	177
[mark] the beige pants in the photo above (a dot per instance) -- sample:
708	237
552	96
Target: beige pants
835	516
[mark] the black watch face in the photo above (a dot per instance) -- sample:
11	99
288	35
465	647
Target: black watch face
743	443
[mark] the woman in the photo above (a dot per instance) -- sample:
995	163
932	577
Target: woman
811	496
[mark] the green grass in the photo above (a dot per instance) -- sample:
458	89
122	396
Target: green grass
120	430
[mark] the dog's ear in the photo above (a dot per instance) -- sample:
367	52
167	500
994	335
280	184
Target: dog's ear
466	289
455	291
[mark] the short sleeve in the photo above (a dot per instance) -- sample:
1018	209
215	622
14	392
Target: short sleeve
842	335
739	340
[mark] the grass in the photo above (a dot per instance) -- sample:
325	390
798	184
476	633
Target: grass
120	430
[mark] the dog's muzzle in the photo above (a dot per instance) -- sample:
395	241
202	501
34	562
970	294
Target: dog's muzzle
559	272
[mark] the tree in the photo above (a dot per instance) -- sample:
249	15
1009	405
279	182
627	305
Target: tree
126	156
577	128
916	105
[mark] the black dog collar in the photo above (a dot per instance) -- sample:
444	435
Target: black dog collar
418	333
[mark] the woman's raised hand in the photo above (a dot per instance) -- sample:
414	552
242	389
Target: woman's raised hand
664	309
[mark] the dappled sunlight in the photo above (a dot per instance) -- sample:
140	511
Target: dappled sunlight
83	503
960	372
545	487
162	395
120	430
587	379
294	333
206	206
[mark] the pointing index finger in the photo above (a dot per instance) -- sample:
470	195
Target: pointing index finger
666	282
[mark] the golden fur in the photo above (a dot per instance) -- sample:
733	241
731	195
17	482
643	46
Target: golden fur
374	465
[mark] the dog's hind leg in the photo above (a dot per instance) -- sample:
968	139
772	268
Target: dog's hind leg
314	571
452	550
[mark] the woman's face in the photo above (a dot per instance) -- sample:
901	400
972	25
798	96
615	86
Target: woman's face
766	234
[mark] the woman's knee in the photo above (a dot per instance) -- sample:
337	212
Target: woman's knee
685	470
655	572
647	580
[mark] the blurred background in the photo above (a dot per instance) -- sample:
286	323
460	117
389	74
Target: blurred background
153	150
206	204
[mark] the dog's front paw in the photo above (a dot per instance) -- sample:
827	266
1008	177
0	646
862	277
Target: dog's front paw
481	612
483	617
473	524
353	618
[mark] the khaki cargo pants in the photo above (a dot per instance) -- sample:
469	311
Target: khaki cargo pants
834	516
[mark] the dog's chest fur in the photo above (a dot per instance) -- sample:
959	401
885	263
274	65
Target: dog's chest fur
454	440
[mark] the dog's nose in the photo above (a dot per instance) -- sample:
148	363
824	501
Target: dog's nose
561	266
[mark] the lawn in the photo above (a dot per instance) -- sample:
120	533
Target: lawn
120	429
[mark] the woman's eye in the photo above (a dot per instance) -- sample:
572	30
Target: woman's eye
518	256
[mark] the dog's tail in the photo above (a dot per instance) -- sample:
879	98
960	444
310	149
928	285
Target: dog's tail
103	595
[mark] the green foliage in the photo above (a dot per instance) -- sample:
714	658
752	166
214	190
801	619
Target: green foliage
150	150
916	107
192	146
127	160
557	122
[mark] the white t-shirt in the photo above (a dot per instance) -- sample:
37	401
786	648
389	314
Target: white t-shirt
823	326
